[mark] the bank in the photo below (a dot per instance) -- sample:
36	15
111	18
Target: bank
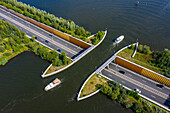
93	85
77	35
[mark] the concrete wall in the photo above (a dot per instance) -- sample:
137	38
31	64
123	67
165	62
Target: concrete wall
52	30
143	71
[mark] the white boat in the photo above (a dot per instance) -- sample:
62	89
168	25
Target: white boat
119	39
52	84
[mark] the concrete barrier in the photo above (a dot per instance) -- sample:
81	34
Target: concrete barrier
77	58
164	107
135	50
78	97
65	36
143	71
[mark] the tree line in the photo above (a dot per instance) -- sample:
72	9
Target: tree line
13	41
128	98
161	59
61	24
99	35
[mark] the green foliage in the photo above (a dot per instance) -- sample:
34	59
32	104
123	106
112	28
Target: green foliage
2	49
122	98
15	41
7	54
61	24
128	104
115	91
162	60
3	60
98	37
26	40
132	47
140	48
137	107
146	50
134	94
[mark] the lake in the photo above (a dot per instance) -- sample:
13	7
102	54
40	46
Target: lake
21	86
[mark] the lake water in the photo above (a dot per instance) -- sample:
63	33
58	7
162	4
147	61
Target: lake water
21	87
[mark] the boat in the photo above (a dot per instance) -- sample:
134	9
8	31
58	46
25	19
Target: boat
52	84
119	39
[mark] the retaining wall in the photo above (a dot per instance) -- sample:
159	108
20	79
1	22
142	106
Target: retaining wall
143	71
52	30
77	58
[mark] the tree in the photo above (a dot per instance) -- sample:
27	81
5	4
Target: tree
146	49
122	98
26	40
42	19
140	48
3	61
113	96
2	49
12	41
137	107
128	104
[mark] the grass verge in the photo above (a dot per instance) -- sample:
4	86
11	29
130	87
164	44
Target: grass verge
91	84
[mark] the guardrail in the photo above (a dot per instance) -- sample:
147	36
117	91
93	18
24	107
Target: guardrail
77	58
65	36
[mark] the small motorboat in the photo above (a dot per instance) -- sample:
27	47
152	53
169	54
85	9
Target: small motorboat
119	39
52	84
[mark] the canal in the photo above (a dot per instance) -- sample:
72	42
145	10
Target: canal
21	87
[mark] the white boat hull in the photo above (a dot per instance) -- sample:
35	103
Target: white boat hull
50	86
119	39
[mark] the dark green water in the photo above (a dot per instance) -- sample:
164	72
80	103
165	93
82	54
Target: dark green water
21	87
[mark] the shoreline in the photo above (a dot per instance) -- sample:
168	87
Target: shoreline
97	71
76	58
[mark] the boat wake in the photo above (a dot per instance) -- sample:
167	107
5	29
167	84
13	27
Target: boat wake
18	100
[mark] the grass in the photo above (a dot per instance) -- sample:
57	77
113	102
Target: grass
140	59
91	84
53	69
154	104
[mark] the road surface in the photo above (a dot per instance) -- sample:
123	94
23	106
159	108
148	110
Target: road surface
42	35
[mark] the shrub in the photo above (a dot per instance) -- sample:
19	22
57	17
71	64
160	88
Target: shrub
92	82
140	48
2	49
122	98
128	104
7	54
3	61
137	107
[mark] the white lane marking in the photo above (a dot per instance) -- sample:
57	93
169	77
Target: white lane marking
144	81
129	74
42	36
153	96
150	89
42	29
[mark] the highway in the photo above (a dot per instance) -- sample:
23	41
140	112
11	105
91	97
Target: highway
133	80
42	35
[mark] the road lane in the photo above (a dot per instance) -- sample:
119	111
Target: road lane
132	86
58	43
139	78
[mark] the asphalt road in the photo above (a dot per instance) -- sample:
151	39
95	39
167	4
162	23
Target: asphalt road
42	35
133	80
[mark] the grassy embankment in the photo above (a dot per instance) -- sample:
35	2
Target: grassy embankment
91	84
140	59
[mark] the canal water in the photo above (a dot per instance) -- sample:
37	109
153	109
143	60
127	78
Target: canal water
21	87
